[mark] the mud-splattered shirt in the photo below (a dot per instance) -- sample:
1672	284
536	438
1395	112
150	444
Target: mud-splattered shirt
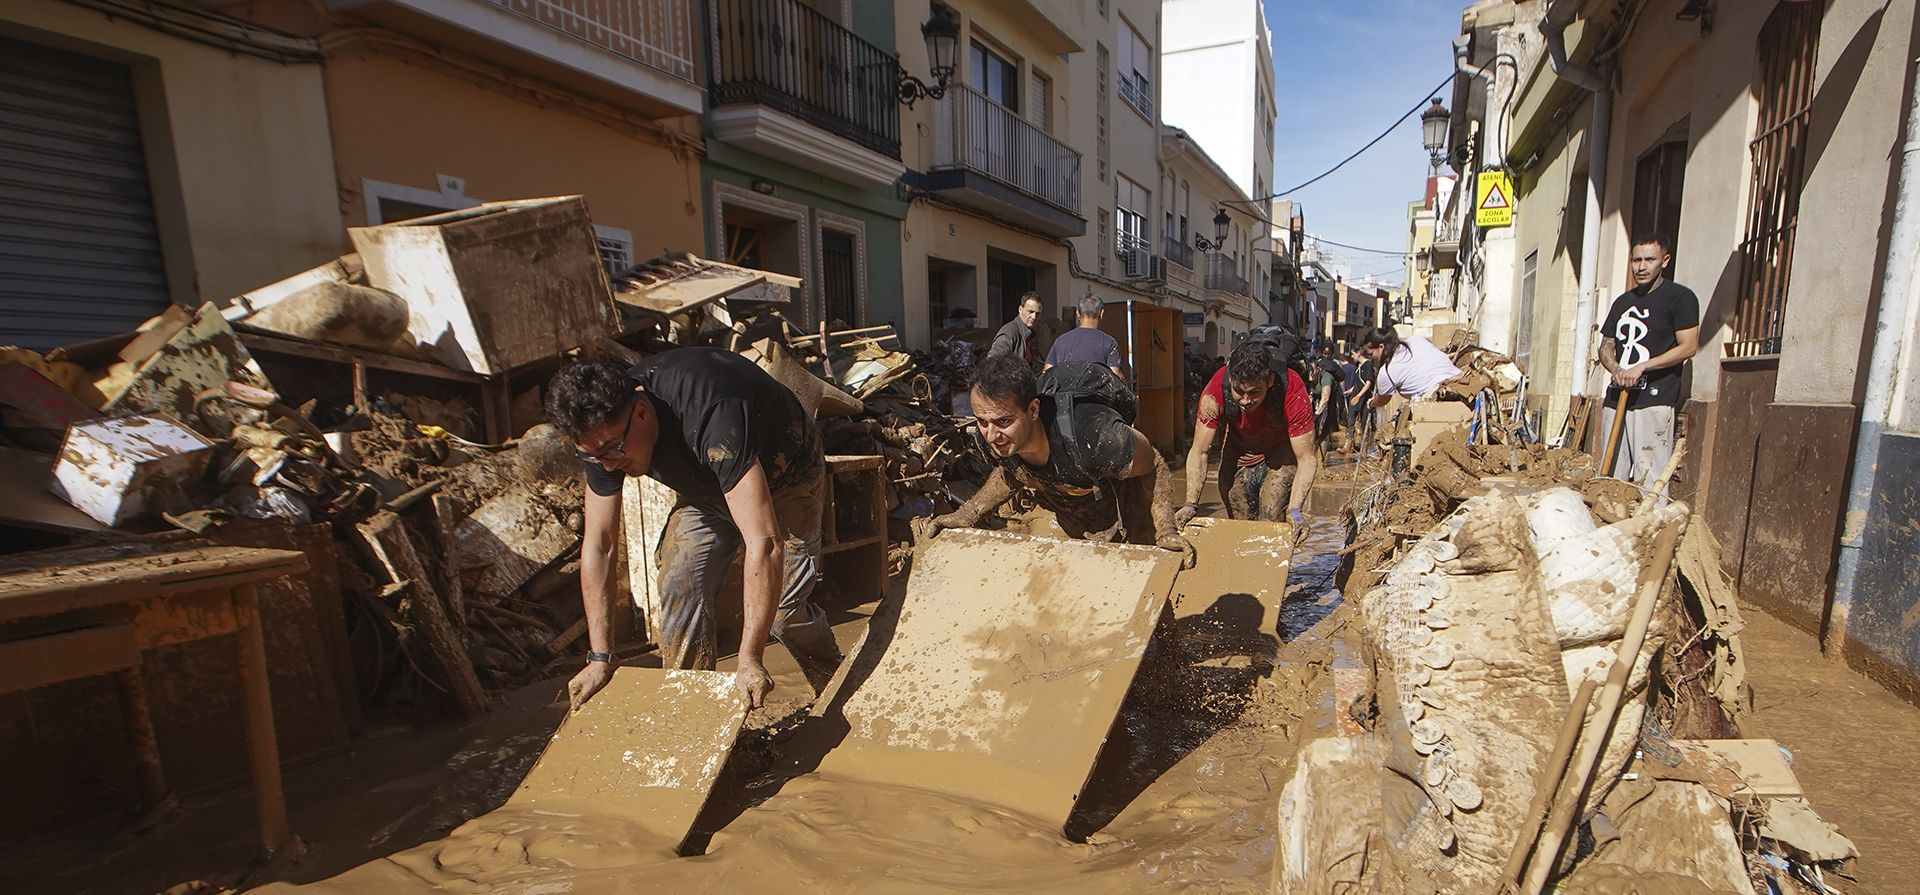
1081	473
718	413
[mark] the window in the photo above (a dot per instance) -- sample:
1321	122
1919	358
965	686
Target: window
616	250
1523	338
1785	93
996	77
1040	101
1134	70
1657	180
837	263
1130	205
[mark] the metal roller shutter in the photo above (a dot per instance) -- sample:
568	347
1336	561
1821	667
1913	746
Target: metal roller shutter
79	249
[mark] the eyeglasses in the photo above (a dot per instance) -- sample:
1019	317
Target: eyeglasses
618	450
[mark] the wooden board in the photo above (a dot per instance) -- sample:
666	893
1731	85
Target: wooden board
1230	600
648	748
1004	670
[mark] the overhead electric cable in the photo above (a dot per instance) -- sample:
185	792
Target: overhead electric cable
1424	97
1322	239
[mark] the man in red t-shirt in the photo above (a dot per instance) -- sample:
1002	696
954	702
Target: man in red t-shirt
1269	459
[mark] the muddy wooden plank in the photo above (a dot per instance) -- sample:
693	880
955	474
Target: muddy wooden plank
1005	669
648	748
387	537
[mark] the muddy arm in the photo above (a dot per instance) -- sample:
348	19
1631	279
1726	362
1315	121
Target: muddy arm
991	495
1307	457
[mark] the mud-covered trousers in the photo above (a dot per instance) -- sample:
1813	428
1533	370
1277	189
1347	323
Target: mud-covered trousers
1260	491
696	552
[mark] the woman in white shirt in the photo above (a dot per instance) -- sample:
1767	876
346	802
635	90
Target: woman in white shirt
1410	367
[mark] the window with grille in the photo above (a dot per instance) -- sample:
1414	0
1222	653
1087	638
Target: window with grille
1785	93
1134	70
1130	216
1523	340
838	293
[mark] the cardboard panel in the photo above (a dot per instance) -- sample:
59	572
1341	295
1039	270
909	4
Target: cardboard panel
652	743
1005	669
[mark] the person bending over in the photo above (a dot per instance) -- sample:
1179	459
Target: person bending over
1269	459
746	466
1100	476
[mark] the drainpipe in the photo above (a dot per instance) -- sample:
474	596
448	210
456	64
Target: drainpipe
1876	408
1494	153
1559	14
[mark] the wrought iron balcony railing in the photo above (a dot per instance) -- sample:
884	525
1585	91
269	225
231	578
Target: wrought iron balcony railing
1220	275
1179	252
655	33
788	56
974	133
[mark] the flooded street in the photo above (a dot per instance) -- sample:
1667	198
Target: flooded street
1183	796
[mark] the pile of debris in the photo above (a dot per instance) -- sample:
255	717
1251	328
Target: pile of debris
458	546
1552	690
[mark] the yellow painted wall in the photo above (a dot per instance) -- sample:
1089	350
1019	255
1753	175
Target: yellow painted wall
402	122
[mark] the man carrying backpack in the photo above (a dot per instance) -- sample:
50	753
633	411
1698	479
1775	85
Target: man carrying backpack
1067	439
1269	460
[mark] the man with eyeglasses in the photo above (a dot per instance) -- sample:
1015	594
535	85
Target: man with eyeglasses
746	465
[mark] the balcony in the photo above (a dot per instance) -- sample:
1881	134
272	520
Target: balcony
988	158
635	53
1178	252
1220	276
791	84
1138	94
1137	260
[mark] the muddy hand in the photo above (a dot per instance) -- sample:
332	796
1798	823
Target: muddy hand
753	683
1185	515
1178	543
586	683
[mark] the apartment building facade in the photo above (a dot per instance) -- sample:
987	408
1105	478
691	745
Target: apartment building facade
1209	231
803	152
236	150
995	183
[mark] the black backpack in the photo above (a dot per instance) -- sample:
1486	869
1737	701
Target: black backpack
1071	384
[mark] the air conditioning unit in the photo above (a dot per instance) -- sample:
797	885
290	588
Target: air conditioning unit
1144	265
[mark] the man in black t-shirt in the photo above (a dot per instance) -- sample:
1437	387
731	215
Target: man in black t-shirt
746	465
1107	483
1650	332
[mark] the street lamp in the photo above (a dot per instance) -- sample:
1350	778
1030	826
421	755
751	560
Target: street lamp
1433	132
942	33
1219	241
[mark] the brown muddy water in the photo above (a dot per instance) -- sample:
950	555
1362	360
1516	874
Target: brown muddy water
1183	797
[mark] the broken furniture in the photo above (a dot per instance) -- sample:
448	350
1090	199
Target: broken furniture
497	286
66	614
118	469
853	536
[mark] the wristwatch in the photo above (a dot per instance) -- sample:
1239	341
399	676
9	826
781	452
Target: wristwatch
599	657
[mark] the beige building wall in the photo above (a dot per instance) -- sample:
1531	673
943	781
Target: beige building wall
403	123
238	152
1548	195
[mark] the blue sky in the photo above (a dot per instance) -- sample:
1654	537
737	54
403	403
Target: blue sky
1343	70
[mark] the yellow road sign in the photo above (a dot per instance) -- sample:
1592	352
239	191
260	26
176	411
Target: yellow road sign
1493	200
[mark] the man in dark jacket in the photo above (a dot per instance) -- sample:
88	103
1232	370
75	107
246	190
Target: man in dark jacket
1017	339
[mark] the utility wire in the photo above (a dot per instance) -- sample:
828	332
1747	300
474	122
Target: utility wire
1343	245
1424	97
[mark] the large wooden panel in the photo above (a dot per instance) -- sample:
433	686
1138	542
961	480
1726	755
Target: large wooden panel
648	748
1005	668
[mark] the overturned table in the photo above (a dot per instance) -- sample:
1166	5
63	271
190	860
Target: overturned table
67	614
